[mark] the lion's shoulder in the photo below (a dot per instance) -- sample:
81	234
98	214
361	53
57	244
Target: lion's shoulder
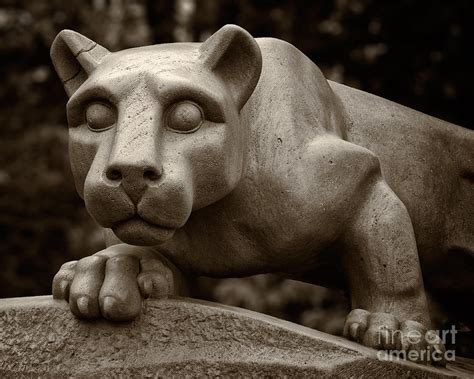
292	92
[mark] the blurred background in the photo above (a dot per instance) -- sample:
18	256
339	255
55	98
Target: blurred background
413	52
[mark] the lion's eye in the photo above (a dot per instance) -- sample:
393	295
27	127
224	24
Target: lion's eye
99	116
184	117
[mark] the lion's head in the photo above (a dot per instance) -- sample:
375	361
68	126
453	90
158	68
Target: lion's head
155	131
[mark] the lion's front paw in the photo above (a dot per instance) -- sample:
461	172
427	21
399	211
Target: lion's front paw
383	331
112	286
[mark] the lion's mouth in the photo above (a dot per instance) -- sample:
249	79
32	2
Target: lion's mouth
139	231
136	219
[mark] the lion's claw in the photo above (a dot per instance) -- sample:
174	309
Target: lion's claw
62	280
383	331
156	280
83	305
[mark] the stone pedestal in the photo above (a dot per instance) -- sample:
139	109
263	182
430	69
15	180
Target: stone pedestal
181	337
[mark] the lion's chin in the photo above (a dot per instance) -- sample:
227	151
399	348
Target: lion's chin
136	231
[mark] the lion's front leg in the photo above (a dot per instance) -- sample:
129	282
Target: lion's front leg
113	282
389	304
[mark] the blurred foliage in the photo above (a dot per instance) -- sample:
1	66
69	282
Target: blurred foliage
410	51
313	306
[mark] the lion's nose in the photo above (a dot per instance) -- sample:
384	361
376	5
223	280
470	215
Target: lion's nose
130	173
134	179
135	161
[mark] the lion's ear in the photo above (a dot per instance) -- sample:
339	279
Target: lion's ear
234	55
74	58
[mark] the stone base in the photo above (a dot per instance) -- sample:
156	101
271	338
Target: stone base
181	337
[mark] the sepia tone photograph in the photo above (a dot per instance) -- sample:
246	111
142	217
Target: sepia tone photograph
236	188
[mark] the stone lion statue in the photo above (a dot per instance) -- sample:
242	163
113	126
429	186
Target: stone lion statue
236	156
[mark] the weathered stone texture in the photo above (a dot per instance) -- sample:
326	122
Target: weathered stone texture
179	337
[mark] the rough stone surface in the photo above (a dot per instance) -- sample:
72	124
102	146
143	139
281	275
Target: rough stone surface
180	337
236	156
